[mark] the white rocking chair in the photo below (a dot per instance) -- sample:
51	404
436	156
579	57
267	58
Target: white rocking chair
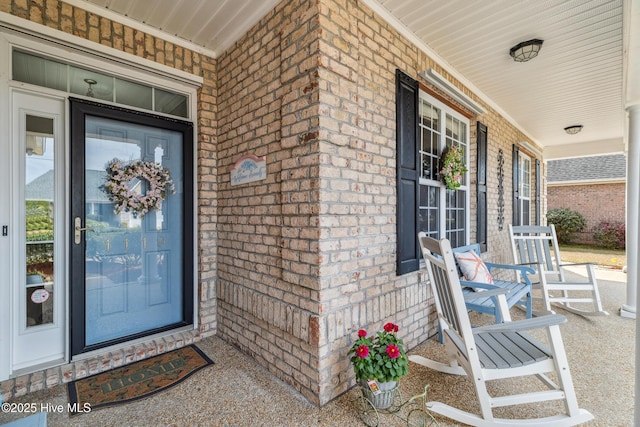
496	352
537	247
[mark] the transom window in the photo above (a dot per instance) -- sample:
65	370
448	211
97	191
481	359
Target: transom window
443	213
41	71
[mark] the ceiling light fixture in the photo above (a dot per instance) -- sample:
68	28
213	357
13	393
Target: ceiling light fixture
523	52
572	130
90	82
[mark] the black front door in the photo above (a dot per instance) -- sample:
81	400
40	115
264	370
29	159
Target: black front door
131	227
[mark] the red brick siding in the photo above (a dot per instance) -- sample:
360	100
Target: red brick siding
596	202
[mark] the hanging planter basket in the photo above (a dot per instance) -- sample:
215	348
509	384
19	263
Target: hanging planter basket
383	398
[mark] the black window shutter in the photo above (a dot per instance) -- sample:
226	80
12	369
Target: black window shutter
538	201
408	252
481	187
516	185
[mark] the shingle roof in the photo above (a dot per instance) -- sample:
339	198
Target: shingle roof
41	188
613	166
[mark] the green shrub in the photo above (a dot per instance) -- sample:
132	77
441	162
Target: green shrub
566	222
610	235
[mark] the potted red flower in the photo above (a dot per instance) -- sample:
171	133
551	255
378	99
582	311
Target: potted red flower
379	361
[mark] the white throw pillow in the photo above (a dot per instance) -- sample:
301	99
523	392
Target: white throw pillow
473	268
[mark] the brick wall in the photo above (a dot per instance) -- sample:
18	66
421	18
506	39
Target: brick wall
292	266
307	257
596	202
72	20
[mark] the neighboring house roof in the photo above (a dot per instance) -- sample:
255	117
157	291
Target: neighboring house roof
611	167
41	188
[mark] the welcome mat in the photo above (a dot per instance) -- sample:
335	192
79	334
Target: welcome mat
135	381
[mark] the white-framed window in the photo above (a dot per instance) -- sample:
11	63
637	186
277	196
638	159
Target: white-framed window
524	169
442	212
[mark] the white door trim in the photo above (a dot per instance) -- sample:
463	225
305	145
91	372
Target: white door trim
44	345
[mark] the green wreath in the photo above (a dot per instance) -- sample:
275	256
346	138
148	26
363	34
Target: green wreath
453	167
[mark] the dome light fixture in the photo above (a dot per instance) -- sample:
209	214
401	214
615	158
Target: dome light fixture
572	130
90	82
525	51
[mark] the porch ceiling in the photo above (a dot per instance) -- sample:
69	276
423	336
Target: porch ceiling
576	79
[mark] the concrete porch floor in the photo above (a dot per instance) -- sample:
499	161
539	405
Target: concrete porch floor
237	392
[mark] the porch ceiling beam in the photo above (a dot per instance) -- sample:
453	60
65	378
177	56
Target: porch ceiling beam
582	149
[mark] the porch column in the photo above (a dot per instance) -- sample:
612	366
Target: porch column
633	212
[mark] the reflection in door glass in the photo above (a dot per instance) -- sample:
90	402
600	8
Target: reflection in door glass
39	186
133	261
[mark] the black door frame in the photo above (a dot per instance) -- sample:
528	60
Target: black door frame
79	109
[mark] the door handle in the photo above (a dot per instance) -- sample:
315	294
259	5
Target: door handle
78	229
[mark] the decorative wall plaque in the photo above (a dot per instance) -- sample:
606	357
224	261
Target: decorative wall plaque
249	168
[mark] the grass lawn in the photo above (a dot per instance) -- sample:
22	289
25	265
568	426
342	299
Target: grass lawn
605	257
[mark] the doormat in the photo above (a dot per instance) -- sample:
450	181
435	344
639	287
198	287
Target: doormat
135	381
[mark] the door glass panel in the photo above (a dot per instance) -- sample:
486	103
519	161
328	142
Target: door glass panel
134	259
39	196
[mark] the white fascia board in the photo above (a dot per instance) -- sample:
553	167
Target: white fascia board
584	149
586	182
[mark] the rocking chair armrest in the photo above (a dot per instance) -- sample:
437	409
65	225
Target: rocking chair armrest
523	325
524	264
488	290
575	264
523	268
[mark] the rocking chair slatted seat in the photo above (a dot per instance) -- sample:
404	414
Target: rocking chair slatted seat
494	352
537	247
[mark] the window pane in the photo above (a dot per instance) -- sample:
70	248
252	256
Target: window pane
456	214
457	135
133	94
39	71
170	103
526	210
45	72
39	189
430	140
525	177
429	216
429	154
